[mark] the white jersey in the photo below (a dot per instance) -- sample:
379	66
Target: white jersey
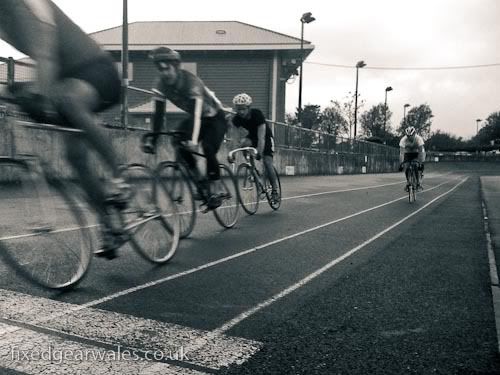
408	145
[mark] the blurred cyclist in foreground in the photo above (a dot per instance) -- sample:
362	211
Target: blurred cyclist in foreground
76	79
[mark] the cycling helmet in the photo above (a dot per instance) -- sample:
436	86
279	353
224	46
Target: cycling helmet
410	131
242	99
166	55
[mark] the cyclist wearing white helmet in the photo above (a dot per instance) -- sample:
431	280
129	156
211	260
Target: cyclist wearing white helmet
206	123
411	147
259	134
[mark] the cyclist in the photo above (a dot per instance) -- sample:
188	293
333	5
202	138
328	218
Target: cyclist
411	147
206	122
76	79
259	135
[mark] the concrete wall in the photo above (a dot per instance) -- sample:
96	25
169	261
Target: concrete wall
49	145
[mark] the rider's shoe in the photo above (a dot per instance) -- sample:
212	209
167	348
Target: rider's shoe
275	197
215	200
109	244
407	188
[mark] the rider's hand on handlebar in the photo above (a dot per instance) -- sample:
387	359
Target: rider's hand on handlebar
258	156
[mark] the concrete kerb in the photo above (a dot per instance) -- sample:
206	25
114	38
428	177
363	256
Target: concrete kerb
490	194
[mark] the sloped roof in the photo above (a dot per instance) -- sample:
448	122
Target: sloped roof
196	35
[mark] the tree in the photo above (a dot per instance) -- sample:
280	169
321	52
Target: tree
490	131
311	116
442	141
419	117
372	121
332	120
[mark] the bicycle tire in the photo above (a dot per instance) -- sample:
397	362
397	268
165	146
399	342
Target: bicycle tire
227	213
248	189
150	218
268	188
413	184
49	243
175	179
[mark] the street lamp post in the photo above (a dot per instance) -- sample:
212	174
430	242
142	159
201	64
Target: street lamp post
477	125
359	64
306	18
404	113
388	88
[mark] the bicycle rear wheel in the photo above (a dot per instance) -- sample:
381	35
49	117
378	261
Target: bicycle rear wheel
248	190
151	216
173	177
227	213
274	203
44	233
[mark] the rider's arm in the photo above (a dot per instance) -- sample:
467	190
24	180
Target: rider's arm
159	116
198	105
261	136
421	154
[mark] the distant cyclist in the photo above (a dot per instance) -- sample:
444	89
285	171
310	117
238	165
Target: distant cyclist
206	122
77	79
411	147
259	135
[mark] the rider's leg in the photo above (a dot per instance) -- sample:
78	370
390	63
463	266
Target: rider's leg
212	136
77	101
77	155
269	169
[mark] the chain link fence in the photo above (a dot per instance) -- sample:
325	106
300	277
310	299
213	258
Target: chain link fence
285	136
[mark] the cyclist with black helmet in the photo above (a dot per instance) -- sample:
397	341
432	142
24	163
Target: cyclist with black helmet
76	79
206	123
259	135
411	147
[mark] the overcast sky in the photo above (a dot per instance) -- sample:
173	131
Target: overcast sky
383	33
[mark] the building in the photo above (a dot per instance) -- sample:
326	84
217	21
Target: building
229	56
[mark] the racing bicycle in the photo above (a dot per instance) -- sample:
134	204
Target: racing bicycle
46	228
186	188
252	185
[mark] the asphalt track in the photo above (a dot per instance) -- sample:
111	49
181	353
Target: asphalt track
347	277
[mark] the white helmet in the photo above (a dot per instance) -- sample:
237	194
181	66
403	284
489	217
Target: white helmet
410	131
242	99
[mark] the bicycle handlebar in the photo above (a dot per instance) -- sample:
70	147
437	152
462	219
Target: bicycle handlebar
252	150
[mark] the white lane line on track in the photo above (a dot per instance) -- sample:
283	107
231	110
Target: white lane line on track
198	344
230	324
20	236
125	292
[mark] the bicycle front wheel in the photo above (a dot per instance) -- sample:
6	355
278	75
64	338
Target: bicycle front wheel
274	202
151	216
173	177
227	213
248	190
44	233
412	190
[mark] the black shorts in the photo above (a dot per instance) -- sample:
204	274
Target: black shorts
409	156
212	130
102	74
268	147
